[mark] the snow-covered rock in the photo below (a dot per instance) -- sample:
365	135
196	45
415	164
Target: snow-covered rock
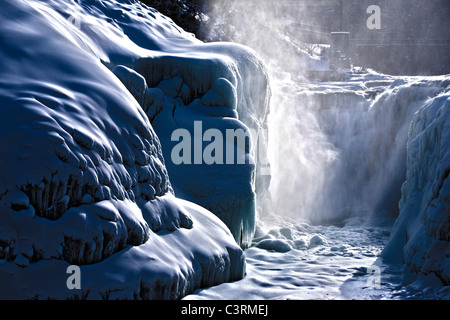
179	71
421	234
84	178
224	85
223	89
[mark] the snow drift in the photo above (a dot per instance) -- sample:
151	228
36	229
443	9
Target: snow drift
84	177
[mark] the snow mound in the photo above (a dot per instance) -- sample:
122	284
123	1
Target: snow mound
275	245
420	236
290	237
222	80
83	178
317	240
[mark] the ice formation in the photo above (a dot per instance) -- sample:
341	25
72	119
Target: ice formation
420	237
84	177
223	94
224	85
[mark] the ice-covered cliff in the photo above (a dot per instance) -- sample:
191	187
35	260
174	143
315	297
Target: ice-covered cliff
421	234
85	178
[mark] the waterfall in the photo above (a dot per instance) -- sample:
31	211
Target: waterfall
339	148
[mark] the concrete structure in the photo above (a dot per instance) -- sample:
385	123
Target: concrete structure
340	50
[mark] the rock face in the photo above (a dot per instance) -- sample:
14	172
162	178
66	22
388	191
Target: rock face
84	177
421	235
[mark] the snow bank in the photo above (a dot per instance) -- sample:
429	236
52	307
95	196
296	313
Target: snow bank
167	266
420	237
83	178
179	70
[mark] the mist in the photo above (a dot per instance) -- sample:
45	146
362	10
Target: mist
337	149
410	37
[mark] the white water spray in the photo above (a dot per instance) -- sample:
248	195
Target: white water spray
337	149
342	154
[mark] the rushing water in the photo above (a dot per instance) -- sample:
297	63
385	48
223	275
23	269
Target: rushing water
338	149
